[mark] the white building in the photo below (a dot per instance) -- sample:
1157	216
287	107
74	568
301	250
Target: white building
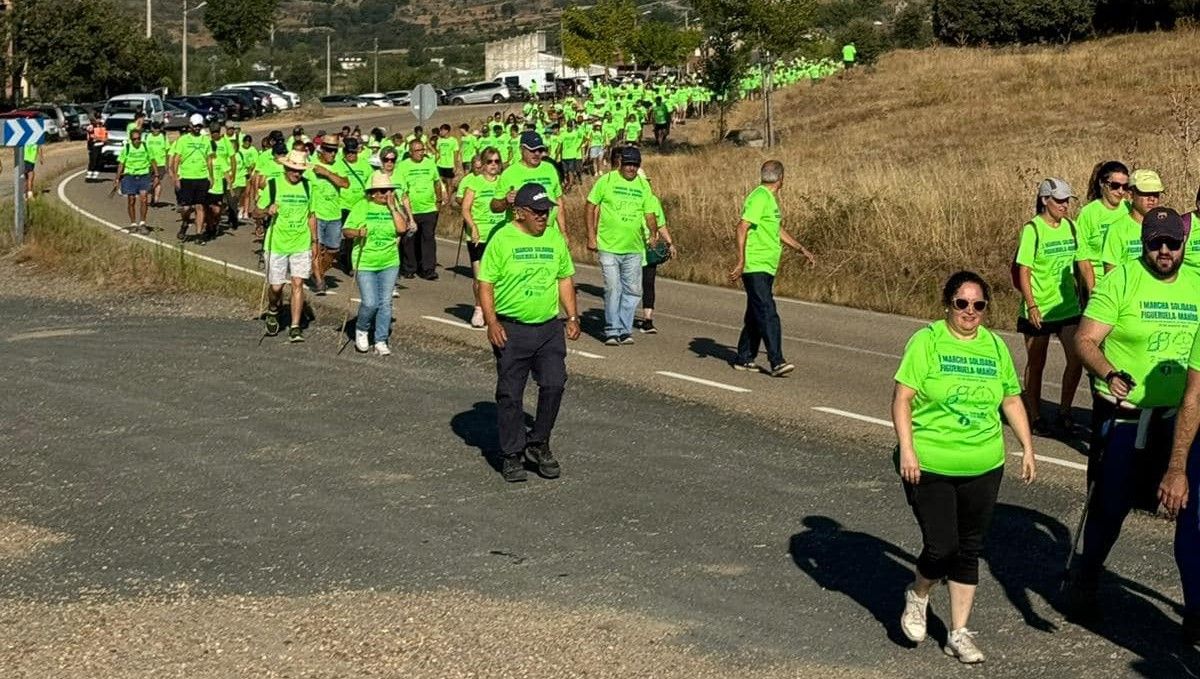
528	52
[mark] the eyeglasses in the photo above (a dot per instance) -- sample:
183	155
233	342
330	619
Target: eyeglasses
1157	244
491	161
979	305
388	159
1117	186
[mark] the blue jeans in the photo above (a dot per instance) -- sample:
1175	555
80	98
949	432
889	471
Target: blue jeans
760	325
375	289
622	291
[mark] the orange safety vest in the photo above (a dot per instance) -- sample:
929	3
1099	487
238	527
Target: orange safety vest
98	133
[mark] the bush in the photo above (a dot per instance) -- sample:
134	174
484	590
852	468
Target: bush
912	28
869	39
998	22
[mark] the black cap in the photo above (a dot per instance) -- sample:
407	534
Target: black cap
532	141
279	149
630	155
351	145
534	197
1162	222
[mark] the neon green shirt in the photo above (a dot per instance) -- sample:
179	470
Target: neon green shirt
158	147
193	150
1153	329
525	271
1051	269
468	145
623	205
419	181
763	247
135	159
633	131
519	174
1191	253
359	175
1090	228
849	53
572	144
326	198
1123	242
378	250
289	232
960	385
269	168
662	114
446	148
247	158
483	192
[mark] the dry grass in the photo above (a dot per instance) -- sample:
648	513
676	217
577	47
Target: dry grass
928	163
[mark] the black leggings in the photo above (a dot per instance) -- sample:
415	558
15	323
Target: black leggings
954	513
649	273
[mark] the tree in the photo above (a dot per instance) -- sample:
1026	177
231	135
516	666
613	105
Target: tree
239	25
662	44
999	22
600	34
912	28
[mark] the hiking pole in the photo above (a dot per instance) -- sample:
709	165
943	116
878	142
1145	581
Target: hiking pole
264	259
1087	502
354	277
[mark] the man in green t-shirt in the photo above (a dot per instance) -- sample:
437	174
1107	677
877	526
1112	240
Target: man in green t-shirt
327	179
662	120
571	142
192	170
422	191
849	55
31	155
532	167
760	239
288	244
620	209
446	150
526	273
136	166
156	140
1135	339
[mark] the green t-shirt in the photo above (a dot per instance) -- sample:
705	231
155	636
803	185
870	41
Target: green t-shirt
326	198
289	232
247	156
419	181
519	174
223	153
269	168
763	246
1090	228
849	52
633	131
359	175
623	205
468	145
158	147
1050	254
960	385
483	192
1191	252
662	114
193	150
1153	327
1123	242
378	250
446	148
136	159
572	144
525	271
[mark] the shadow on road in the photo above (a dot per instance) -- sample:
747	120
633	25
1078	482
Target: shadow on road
462	312
477	428
596	291
707	347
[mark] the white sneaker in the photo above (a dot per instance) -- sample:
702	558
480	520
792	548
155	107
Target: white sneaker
912	620
132	227
362	341
381	348
961	645
477	318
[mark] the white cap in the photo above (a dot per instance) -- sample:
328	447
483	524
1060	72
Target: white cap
196	119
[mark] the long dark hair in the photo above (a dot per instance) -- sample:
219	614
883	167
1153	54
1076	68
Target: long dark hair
961	278
1100	174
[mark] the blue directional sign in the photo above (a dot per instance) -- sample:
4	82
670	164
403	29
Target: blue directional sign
23	132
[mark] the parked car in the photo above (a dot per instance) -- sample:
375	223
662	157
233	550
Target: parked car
150	104
399	97
235	109
480	93
56	127
546	82
178	113
343	101
293	99
376	99
115	123
77	121
212	109
246	104
271	100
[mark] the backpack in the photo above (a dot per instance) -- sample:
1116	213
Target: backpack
1014	269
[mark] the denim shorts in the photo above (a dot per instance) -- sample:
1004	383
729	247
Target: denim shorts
329	233
134	184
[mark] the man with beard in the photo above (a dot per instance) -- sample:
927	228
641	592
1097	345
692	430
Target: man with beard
1135	340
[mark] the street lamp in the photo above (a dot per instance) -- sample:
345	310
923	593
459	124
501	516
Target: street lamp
183	80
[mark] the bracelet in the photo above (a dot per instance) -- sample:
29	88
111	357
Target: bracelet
572	319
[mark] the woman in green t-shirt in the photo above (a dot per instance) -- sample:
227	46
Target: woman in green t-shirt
954	379
1049	287
373	224
479	188
1106	194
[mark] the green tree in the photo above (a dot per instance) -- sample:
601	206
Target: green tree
238	25
999	22
912	28
662	44
300	73
601	34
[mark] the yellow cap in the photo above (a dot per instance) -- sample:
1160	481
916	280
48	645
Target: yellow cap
1145	181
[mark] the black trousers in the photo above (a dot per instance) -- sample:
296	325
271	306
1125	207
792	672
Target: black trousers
649	275
541	350
954	513
419	253
94	157
761	322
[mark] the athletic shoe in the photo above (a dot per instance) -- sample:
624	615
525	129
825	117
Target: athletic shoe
961	644
410	276
477	318
1191	630
912	621
272	320
782	369
433	276
295	334
746	367
612	342
144	227
1041	428
361	341
626	339
381	348
132	227
648	327
512	469
539	454
395	293
320	290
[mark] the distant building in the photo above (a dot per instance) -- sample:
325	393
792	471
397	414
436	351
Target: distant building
351	63
528	52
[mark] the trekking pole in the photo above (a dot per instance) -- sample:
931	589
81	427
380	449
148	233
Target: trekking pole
1087	502
354	277
263	259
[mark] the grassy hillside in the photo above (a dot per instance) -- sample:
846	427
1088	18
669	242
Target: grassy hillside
928	163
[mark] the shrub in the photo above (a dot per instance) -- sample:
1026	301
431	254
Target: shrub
998	22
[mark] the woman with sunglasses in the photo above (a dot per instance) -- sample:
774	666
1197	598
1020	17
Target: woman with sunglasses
373	225
1106	195
1123	242
1048	282
954	380
479	189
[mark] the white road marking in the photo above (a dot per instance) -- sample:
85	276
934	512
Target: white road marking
585	354
700	380
448	321
885	423
49	334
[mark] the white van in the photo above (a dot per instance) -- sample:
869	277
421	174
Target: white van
150	104
544	79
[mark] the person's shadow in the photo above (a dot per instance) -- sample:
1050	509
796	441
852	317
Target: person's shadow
477	428
707	347
871	571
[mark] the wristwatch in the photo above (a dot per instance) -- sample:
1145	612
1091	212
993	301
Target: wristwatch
572	318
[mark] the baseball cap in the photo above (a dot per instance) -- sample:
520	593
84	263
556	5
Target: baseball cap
351	145
630	155
1162	222
279	149
532	141
1146	181
195	119
533	196
1055	188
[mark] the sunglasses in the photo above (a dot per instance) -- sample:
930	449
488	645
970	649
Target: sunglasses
491	161
1059	201
540	214
979	305
1157	244
1148	194
1117	186
388	159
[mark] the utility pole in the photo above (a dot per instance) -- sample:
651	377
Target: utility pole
767	98
375	78
148	19
183	83
328	67
272	55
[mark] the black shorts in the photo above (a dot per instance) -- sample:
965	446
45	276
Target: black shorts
29	167
662	127
475	251
1048	327
192	192
446	172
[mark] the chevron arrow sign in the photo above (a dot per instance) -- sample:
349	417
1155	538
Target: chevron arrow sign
23	132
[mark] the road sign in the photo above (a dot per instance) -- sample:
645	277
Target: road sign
423	102
23	131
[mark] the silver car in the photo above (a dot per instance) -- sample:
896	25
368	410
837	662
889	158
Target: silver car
479	93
